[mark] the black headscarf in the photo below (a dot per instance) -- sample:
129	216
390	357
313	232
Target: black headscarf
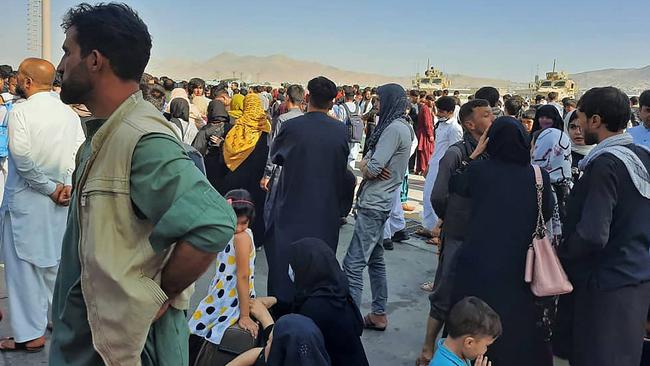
179	108
548	111
392	105
217	112
317	273
509	141
297	341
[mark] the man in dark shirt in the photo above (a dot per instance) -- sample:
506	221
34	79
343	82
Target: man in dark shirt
607	236
476	117
315	185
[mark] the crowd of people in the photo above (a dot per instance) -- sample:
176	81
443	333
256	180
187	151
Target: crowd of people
120	189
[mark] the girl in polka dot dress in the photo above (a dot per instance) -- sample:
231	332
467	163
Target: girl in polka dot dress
229	294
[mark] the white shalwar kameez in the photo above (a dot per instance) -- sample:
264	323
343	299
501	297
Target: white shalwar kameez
44	135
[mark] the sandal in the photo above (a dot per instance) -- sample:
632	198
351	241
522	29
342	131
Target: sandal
10	345
427	286
368	323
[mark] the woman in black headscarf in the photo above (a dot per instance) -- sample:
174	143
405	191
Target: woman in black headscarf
179	110
322	295
209	141
491	261
547	116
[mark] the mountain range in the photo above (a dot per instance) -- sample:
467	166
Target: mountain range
279	68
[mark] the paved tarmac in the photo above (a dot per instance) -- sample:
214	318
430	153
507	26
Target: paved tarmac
410	264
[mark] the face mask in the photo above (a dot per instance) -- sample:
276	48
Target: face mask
291	275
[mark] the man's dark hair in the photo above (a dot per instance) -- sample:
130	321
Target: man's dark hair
218	91
243	91
348	91
269	89
634	100
321	92
116	31
414	93
530	114
471	316
569	102
168	84
195	83
513	105
467	109
296	94
489	93
447	104
445	92
423	94
644	99
5	71
437	93
538	98
552	96
146	78
456	92
611	104
506	97
373	91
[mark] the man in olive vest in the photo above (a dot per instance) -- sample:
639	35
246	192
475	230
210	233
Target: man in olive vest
144	223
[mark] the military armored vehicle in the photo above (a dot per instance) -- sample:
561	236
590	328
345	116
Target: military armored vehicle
433	80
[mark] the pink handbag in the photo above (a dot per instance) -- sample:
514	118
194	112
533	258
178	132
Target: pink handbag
544	271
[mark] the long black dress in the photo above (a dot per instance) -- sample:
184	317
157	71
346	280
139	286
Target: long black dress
491	262
312	150
247	176
322	294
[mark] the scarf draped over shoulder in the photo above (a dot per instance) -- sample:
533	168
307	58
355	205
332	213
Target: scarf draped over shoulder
244	135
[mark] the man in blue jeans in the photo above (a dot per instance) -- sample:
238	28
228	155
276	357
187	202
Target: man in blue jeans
383	169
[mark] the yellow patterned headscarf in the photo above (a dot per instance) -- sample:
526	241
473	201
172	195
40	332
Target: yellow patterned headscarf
243	136
236	106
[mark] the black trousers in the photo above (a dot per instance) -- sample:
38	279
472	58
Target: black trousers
609	326
370	127
440	297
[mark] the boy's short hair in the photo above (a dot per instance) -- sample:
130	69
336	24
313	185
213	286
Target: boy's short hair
447	104
528	114
644	99
467	109
513	105
471	316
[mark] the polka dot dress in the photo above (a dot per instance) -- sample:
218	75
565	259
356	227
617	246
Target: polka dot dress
220	308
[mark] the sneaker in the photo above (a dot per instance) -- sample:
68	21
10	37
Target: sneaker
388	244
400	236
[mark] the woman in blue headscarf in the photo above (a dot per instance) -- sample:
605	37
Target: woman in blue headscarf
294	341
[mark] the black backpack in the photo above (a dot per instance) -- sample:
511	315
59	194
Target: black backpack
354	123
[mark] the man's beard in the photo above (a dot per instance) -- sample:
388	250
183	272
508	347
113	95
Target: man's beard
21	92
590	137
75	89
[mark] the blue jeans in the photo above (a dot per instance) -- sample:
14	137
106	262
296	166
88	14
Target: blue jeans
366	250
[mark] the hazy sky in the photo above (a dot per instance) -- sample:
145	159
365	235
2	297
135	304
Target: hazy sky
492	38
